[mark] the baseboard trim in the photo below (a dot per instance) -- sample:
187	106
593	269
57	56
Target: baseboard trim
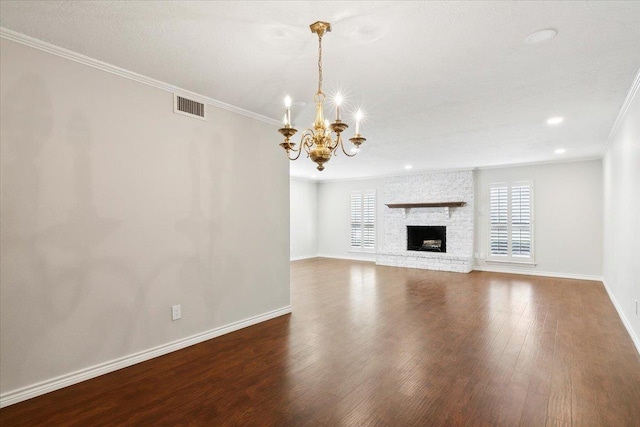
28	392
298	258
529	272
350	257
625	321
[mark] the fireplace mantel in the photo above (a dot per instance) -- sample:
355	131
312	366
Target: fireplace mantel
426	205
445	205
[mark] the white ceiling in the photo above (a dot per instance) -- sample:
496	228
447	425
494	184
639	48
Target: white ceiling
443	85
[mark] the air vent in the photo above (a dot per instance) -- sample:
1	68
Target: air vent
189	107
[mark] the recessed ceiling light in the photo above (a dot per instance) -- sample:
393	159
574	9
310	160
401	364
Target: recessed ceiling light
408	166
555	120
560	151
541	36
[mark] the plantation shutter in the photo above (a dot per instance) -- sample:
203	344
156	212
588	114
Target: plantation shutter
499	225
368	221
511	221
363	220
356	220
521	220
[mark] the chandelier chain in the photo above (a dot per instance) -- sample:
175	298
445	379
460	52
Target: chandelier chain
320	65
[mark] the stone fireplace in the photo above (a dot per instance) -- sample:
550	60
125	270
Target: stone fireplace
428	222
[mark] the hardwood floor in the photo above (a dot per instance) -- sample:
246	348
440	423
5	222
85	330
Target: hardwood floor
369	345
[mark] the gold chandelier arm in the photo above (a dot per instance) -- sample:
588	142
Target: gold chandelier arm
344	151
304	145
333	145
298	150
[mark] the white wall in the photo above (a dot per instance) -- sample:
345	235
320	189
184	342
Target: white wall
567	217
114	208
334	228
304	218
622	217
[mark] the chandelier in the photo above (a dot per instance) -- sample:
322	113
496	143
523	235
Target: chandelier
319	143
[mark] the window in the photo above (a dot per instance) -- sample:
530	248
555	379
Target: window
511	222
363	220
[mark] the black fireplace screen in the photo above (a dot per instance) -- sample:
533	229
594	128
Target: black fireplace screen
427	238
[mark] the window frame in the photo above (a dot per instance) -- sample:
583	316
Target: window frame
509	257
363	223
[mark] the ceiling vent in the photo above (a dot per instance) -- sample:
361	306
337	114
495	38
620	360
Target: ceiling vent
189	107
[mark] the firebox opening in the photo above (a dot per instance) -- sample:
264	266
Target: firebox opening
427	238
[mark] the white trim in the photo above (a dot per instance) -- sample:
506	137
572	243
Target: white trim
635	86
77	57
538	273
513	263
28	392
625	321
392	175
472	169
350	258
357	250
303	179
540	163
298	258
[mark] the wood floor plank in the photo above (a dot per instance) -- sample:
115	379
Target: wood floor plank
559	406
383	346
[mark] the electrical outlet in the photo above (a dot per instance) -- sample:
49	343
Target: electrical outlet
176	312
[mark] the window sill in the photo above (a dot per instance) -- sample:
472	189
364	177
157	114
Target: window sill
529	264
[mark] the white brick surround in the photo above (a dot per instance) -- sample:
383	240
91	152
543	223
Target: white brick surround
430	187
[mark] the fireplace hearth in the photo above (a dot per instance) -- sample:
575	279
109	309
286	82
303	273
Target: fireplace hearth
426	238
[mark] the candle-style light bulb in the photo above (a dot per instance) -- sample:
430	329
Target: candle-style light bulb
358	118
287	104
338	101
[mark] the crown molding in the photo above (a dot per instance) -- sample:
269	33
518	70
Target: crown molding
390	175
302	179
466	169
17	37
635	86
541	163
